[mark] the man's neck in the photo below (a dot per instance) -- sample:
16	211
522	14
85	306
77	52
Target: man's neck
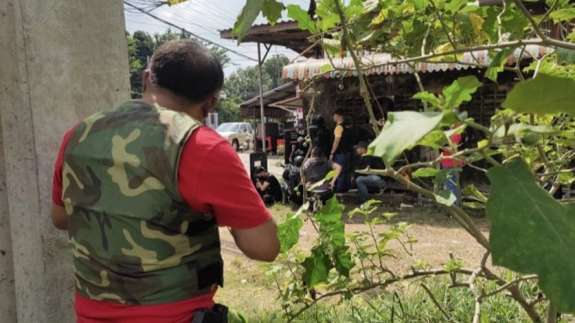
167	100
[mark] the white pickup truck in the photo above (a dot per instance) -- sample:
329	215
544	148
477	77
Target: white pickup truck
239	134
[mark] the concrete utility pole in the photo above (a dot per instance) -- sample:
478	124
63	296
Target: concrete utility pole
54	70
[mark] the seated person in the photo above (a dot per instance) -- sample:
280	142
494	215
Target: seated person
268	186
292	178
316	169
366	182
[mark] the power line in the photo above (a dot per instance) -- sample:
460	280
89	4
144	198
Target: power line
187	31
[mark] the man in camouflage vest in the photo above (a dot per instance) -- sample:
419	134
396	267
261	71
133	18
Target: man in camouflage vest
141	191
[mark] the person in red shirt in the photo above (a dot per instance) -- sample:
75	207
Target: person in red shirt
453	166
211	179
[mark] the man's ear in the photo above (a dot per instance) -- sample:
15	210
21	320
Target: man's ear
209	106
146	80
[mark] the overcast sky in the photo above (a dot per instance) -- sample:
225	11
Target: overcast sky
204	18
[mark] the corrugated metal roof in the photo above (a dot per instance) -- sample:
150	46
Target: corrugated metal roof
382	63
281	92
280	22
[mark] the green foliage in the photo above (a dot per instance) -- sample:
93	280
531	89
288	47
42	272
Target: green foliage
460	91
453	96
317	267
544	94
272	10
410	304
247	17
532	231
498	63
175	2
304	21
562	15
426	172
403	131
536	125
288	231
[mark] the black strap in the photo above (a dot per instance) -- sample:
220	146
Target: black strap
218	314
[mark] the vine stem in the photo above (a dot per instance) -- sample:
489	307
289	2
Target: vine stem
364	88
436	303
383	284
461	216
509	284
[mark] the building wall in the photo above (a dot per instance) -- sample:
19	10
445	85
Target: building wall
60	61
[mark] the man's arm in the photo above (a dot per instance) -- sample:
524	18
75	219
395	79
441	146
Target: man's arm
338	134
60	219
215	180
264	186
58	214
337	169
259	243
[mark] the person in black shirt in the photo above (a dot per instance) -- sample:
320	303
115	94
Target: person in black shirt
366	182
315	169
342	150
268	186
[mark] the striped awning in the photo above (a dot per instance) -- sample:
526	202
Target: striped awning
383	64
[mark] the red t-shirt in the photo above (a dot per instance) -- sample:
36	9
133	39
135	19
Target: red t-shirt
447	161
212	178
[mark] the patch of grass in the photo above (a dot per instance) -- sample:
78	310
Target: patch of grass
406	304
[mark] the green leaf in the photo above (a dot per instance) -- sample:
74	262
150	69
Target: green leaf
317	267
272	10
532	233
426	172
428	97
175	2
343	261
544	94
445	197
303	19
288	232
331	227
561	15
329	176
498	64
247	17
435	139
460	91
454	6
566	178
453	264
475	193
380	18
403	131
326	68
328	17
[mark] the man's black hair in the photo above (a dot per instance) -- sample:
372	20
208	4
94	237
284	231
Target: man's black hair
188	69
339	112
259	170
361	144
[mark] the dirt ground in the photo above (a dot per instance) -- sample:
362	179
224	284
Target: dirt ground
247	288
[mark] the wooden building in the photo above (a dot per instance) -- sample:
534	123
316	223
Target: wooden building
394	85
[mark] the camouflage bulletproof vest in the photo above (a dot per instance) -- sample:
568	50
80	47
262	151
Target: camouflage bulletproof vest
134	239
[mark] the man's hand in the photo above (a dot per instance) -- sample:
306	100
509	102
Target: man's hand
60	219
259	243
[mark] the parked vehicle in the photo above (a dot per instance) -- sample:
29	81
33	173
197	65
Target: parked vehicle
239	134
